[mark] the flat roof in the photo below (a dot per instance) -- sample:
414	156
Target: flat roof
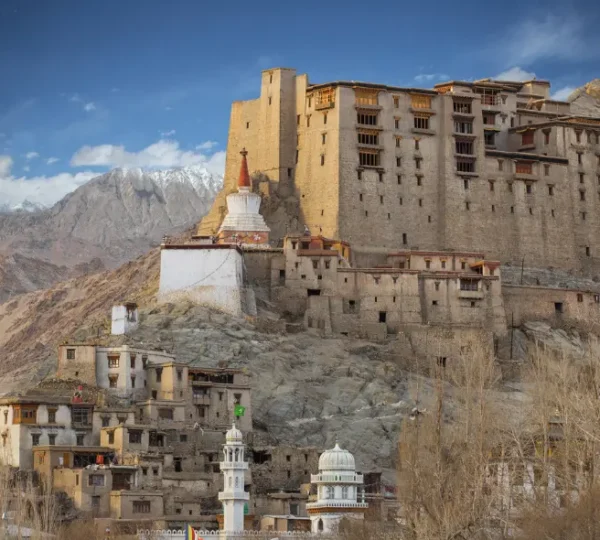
69	448
375	86
202	246
527	157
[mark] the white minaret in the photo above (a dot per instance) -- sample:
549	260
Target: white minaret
233	496
340	491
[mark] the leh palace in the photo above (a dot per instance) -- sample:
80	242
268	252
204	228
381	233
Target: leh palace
356	210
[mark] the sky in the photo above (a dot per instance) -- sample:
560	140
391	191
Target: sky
90	85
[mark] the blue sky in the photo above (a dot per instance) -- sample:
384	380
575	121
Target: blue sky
88	85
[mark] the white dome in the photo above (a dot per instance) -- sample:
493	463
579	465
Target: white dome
337	459
234	435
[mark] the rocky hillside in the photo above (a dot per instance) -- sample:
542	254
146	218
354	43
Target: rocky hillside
113	218
306	390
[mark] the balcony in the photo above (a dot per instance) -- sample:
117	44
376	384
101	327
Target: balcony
336	504
471	295
324	105
201	399
231	494
368	126
327	478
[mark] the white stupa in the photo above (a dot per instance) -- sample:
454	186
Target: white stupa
233	496
243	224
338	491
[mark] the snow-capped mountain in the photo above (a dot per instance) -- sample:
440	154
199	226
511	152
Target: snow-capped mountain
113	218
23	206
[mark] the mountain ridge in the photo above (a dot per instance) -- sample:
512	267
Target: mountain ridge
110	220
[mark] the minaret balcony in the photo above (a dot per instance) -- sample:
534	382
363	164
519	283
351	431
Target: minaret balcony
233	465
232	494
340	478
336	504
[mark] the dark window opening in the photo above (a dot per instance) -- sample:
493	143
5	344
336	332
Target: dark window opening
382	316
558	307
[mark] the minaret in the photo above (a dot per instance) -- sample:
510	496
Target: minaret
243	223
233	496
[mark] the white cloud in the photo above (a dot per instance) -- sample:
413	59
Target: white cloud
162	154
545	37
208	145
169	133
563	93
430	77
515	74
89	106
52	160
31	155
41	189
75	98
6	163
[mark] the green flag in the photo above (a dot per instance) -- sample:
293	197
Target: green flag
239	410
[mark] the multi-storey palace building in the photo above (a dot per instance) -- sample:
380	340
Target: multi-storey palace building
488	166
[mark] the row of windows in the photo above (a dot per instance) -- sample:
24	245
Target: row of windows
35	439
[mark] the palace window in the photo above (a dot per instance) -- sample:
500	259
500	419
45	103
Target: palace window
366	96
463	127
325	98
420	102
368	159
81	416
52	439
52	416
462	107
489	119
546	137
396	102
24	414
135	436
463	165
366	119
550	190
70	354
35	439
368	137
396	123
96	480
464	147
489	138
112	381
113	361
421	122
546	170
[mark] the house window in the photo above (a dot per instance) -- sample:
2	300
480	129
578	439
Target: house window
404	239
51	439
546	170
105	421
581	178
81	416
528	189
469	284
578	136
141	507
70	354
52	416
113	361
135	436
381	177
427	264
466	183
323	138
183	437
322	159
359	174
491	183
112	381
324	118
551	190
308	120
179	375
96	480
416	144
509	186
368	159
158	374
418	180
80	437
165	413
420	102
467	205
398	139
418	163
35	439
132	382
500	165
524	167
546	137
579	297
421	122
582	195
397	123
587	251
489	138
396	102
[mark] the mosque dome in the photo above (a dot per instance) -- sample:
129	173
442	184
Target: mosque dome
234	435
337	459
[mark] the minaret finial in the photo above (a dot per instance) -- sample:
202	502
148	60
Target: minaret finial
244	180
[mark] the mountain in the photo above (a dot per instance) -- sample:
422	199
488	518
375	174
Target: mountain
112	219
585	100
23	206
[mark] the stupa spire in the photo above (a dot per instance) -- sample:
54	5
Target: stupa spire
244	180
